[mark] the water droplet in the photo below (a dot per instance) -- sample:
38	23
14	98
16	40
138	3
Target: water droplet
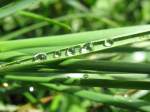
87	47
5	84
85	76
57	54
31	89
108	43
40	57
70	51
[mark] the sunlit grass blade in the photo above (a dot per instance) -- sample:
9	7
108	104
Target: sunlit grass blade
90	41
121	34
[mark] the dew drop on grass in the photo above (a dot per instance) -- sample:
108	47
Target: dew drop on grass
108	43
57	54
40	57
87	47
85	76
70	51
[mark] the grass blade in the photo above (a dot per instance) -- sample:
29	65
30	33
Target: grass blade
42	18
79	41
78	38
86	80
106	66
118	101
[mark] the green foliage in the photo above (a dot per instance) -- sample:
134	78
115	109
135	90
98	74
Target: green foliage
74	56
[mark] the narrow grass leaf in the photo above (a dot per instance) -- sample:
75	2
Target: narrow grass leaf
118	101
85	80
42	18
79	44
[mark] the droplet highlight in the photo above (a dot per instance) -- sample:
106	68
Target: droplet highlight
108	43
70	51
57	54
31	89
87	47
40	57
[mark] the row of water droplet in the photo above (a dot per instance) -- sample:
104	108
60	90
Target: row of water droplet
87	47
68	52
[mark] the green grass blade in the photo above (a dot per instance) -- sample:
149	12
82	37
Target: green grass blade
96	39
82	64
106	66
78	38
42	18
86	80
118	101
22	31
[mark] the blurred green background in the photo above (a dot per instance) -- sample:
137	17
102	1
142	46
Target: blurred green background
80	15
